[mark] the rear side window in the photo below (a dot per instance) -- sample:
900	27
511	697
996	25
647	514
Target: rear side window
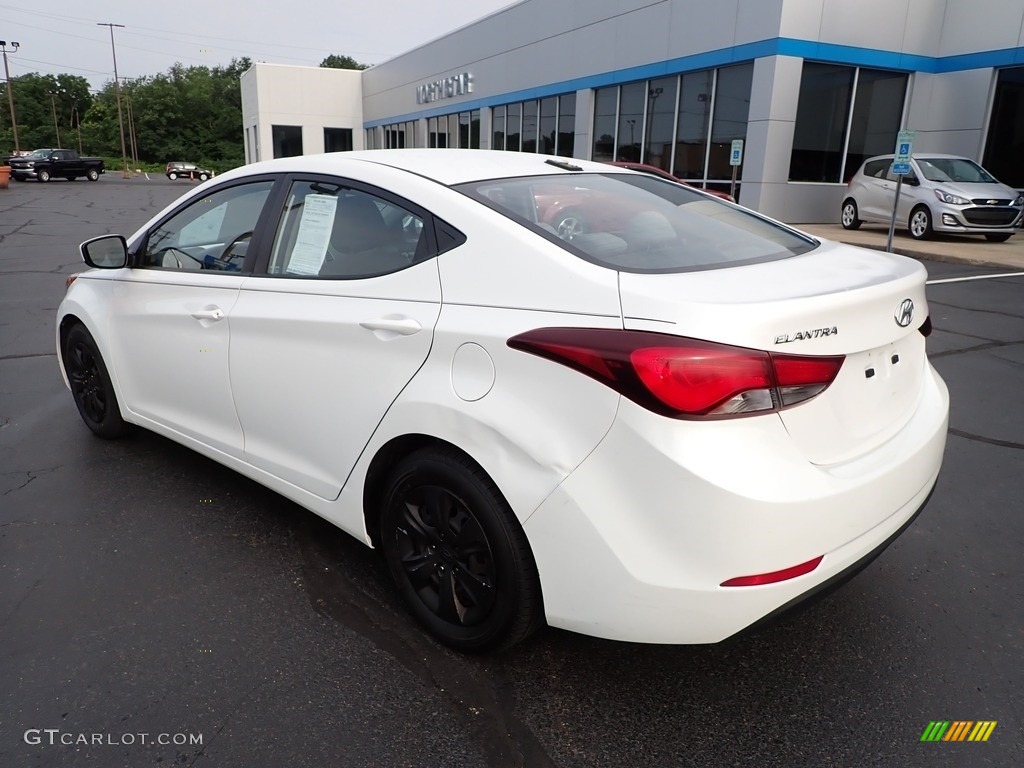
332	231
639	223
877	168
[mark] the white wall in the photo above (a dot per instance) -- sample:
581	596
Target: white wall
312	97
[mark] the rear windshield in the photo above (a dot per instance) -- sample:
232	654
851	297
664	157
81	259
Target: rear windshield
638	223
953	169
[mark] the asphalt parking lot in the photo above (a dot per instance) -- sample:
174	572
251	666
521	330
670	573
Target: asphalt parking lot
148	594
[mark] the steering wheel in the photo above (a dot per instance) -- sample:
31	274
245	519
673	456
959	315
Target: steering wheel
227	257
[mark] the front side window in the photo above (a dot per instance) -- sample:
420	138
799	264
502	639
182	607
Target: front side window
638	223
212	233
333	231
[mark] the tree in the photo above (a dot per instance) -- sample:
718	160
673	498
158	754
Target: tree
334	61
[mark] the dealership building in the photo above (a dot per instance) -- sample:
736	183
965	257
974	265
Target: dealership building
811	87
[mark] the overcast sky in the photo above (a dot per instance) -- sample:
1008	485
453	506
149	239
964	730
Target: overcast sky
61	36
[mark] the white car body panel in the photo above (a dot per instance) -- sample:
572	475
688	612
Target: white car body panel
634	519
300	350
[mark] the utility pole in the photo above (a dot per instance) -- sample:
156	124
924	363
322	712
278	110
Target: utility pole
78	125
10	91
117	94
53	104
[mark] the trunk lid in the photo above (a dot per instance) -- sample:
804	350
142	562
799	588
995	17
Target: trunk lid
834	300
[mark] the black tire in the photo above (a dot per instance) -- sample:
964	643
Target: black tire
848	215
90	385
92	174
172	176
43	175
203	177
998	238
570	223
920	224
457	553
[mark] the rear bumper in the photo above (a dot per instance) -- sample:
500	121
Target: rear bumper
635	544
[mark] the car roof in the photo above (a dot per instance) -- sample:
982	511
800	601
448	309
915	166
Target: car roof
925	155
446	166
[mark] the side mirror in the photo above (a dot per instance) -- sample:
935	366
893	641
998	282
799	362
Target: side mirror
54	156
107	252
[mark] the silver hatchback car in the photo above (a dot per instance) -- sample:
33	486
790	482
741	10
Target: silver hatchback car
942	193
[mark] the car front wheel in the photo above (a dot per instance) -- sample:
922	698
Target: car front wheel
43	176
203	177
457	553
920	225
849	218
91	386
997	238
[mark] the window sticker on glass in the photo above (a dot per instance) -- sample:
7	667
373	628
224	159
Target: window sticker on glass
310	247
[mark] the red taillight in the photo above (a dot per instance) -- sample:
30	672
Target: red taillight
774	576
682	377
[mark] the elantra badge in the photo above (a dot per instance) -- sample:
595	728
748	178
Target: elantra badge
815	333
904	313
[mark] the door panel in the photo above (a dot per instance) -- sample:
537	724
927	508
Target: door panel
316	364
171	352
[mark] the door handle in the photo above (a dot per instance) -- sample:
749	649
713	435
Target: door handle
209	314
400	326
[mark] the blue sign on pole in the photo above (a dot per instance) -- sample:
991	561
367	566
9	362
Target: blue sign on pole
900	169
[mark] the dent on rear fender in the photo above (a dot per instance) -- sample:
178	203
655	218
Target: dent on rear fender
526	471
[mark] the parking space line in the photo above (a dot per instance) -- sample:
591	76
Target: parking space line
974	277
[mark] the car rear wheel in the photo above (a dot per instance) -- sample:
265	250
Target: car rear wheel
91	386
172	176
92	174
920	224
849	218
43	176
997	238
457	553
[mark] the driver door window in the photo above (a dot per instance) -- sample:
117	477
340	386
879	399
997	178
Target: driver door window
212	233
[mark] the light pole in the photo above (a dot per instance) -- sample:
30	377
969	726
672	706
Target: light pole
78	125
10	91
56	127
117	94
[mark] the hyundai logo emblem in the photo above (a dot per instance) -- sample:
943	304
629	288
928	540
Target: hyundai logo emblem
904	313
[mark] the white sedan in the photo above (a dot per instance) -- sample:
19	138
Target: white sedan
548	390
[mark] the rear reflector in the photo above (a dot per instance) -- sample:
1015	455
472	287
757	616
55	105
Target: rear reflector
774	576
683	377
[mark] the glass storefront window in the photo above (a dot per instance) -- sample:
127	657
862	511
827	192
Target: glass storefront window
566	125
661	110
514	129
631	121
548	120
1004	149
692	126
498	127
606	102
529	126
732	107
287	140
877	111
821	118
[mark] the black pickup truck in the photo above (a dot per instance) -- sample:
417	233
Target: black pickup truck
46	164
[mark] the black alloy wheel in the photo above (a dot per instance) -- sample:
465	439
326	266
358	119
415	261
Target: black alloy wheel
457	553
90	385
